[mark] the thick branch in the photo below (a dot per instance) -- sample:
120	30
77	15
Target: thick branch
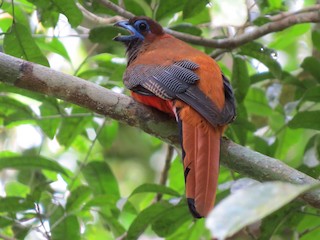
43	80
279	23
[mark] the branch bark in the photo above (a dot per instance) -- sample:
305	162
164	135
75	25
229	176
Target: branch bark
44	80
278	23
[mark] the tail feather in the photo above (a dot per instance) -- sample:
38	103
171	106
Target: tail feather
201	151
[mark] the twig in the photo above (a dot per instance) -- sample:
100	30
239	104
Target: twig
114	7
84	162
254	34
305	232
44	80
165	171
287	14
6	237
284	21
96	19
46	233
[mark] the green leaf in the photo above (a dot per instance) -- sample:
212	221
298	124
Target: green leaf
18	11
261	21
240	78
171	219
78	198
70	10
49	126
108	134
291	36
4	222
16	189
104	201
283	219
65	227
155	188
231	215
65	136
316	39
100	178
168	7
31	162
176	178
256	102
311	65
10	106
19	43
312	94
187	28
104	35
15	204
134	7
53	45
5	24
193	7
307	119
145	218
263	55
47	12
260	76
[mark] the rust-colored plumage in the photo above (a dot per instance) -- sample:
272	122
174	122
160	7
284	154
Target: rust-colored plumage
170	75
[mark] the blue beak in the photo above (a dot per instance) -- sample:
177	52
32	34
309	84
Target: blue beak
134	34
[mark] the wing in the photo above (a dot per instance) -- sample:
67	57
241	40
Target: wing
178	81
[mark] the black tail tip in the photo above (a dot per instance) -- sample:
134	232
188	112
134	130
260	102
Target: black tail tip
192	208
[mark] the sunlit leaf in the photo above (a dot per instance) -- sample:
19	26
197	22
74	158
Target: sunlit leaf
292	34
176	178
230	215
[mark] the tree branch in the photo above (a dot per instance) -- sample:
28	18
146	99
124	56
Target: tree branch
44	80
97	19
279	23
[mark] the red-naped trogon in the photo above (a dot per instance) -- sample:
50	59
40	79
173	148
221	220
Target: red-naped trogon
170	75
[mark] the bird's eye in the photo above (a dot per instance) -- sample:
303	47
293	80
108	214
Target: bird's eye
143	26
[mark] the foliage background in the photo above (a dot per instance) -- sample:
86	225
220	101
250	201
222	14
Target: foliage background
68	173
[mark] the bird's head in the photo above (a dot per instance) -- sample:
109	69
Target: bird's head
140	29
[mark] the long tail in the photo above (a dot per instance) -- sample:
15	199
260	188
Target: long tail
201	152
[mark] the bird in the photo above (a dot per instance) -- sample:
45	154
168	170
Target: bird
172	76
